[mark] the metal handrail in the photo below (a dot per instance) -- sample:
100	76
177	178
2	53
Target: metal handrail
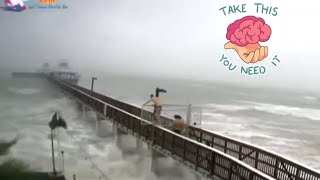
255	147
262	175
281	163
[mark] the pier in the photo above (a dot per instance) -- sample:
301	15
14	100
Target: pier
213	155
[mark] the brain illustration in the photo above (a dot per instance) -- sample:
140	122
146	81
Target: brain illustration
248	30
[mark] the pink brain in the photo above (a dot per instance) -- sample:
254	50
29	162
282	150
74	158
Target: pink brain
248	30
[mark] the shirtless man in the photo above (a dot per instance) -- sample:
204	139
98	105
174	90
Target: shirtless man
179	124
157	109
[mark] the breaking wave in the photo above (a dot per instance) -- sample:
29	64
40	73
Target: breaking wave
23	91
310	98
309	113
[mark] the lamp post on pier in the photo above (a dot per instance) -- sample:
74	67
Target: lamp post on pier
57	121
92	83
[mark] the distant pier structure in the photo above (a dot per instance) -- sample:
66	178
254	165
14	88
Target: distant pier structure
62	72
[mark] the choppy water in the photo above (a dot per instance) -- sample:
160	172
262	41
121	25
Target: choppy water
26	107
283	121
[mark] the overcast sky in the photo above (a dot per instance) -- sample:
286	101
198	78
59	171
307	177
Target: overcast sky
177	38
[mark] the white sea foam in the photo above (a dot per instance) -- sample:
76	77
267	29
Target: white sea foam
310	113
23	91
224	107
93	150
213	114
248	134
311	98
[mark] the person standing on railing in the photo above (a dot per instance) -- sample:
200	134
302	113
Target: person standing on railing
157	104
179	124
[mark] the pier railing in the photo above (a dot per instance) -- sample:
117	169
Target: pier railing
216	164
265	161
270	163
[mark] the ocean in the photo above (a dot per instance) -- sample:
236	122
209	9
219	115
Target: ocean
280	120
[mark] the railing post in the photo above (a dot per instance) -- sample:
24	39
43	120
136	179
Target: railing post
184	150
197	157
297	174
153	134
172	144
213	163
212	140
275	174
162	139
119	119
139	127
231	170
256	159
251	176
83	112
225	146
105	110
240	152
128	122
